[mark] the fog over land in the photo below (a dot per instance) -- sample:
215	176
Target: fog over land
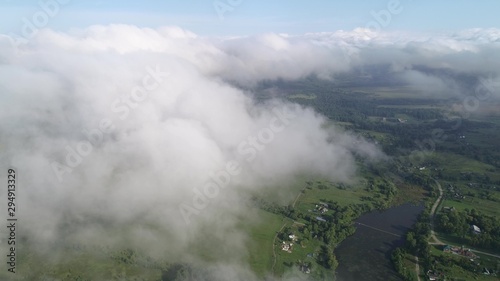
151	138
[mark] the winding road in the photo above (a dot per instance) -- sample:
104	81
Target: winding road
433	213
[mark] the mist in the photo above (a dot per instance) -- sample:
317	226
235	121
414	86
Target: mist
144	137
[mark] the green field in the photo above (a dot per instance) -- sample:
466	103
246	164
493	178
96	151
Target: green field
361	110
260	246
74	264
466	155
304	201
345	197
300	251
484	206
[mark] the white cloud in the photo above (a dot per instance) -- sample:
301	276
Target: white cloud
59	88
191	125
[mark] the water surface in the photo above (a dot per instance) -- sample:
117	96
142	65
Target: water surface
366	254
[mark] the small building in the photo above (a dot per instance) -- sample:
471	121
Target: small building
322	209
305	268
475	229
448	209
320	219
434	275
287	247
447	249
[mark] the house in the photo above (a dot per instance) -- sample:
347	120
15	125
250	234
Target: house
433	275
287	247
448	209
320	219
306	270
447	249
322	207
475	229
461	251
468	253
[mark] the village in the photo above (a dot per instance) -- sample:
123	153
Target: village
288	245
461	251
289	239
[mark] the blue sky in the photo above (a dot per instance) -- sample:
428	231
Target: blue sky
256	16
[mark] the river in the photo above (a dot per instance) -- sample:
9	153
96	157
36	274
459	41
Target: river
366	254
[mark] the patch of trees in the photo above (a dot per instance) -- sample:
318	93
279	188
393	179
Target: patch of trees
383	191
415	244
127	256
416	240
397	258
355	107
459	223
183	272
269	206
336	228
327	257
131	257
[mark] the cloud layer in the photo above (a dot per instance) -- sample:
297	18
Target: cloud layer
145	132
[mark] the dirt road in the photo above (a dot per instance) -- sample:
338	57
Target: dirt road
435	240
433	213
